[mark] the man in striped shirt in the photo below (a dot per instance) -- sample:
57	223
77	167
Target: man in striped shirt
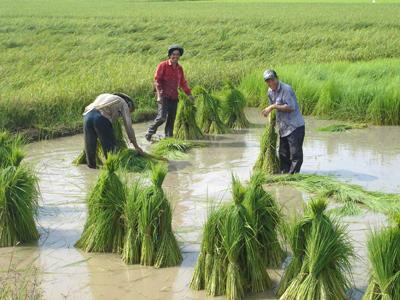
168	78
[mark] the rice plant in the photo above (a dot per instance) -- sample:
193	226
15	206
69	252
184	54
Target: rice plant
342	127
266	218
320	267
11	153
208	112
18	205
384	257
104	229
230	261
172	148
268	161
158	244
233	104
130	160
185	127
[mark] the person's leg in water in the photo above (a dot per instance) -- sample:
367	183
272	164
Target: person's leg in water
295	140
171	115
90	137
159	120
106	134
284	155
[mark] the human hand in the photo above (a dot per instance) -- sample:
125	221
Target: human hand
267	111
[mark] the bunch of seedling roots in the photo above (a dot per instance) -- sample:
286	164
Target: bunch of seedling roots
242	240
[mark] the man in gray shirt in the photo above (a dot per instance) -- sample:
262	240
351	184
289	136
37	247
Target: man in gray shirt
289	120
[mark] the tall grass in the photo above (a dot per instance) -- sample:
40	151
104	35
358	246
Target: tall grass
11	153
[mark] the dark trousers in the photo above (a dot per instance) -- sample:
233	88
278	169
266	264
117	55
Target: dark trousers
96	126
166	112
291	151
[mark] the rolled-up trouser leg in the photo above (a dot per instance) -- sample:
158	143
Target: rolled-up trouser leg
160	118
284	155
296	139
105	133
90	137
172	105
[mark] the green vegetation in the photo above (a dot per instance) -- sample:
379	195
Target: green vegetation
320	267
208	113
268	160
18	194
58	56
384	256
185	125
349	195
171	148
239	242
342	127
233	104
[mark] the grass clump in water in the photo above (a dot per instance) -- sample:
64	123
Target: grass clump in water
104	229
342	127
230	261
233	104
11	153
172	148
268	160
320	267
209	108
384	257
185	127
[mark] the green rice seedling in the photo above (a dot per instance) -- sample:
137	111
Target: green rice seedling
11	153
172	148
132	240
185	127
322	270
268	161
208	111
266	218
342	127
329	99
18	205
104	230
130	160
384	256
120	145
159	246
233	105
254	89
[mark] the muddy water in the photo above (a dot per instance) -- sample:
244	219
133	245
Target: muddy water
368	157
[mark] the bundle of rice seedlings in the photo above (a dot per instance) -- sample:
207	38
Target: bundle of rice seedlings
172	148
208	117
158	244
266	218
342	127
185	127
384	257
231	260
120	145
18	205
104	229
233	108
268	161
11	153
320	268
130	160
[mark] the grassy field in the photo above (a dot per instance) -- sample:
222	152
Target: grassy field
56	56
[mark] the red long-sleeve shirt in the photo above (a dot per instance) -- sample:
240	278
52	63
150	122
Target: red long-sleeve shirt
168	78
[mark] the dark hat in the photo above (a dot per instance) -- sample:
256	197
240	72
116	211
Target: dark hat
172	48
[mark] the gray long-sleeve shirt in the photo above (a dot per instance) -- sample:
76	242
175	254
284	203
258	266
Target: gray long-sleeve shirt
287	122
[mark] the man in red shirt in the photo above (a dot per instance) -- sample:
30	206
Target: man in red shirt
168	78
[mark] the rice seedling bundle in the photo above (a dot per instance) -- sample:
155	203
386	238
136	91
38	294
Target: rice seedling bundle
158	244
230	261
104	229
18	205
208	117
384	256
233	108
266	218
320	267
268	161
172	148
185	127
130	160
342	127
11	153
